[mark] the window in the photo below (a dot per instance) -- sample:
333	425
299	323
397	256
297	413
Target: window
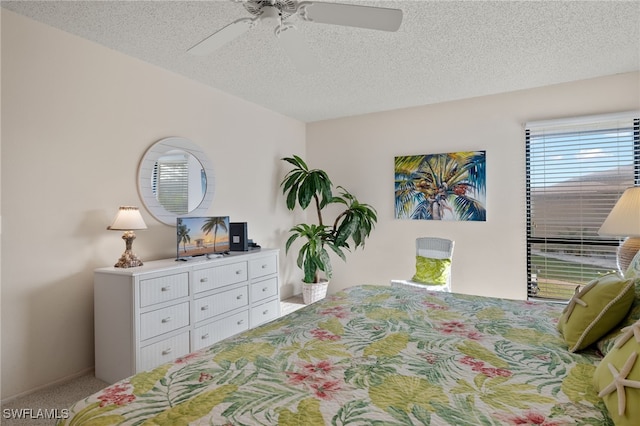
576	171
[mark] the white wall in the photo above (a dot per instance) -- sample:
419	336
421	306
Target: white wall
489	257
77	118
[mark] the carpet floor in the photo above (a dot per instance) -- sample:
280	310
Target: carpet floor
41	408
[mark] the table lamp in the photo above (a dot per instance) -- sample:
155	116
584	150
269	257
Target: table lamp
624	221
128	219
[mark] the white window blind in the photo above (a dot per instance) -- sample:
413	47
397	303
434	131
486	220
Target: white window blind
576	171
171	182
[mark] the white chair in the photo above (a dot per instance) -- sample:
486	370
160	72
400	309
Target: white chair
432	248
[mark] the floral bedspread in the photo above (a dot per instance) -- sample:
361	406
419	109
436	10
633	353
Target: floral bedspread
371	355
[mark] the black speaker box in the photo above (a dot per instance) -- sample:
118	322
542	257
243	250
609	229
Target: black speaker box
238	236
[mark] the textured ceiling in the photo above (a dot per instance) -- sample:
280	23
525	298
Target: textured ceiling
444	50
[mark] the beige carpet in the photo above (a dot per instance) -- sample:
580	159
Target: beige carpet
41	408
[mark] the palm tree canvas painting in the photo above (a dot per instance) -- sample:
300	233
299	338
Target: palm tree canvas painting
448	186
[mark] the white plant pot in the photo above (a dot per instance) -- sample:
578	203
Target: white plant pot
312	292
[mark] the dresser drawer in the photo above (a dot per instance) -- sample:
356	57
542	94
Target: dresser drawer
264	289
263	266
219	276
163	289
167	350
162	321
265	312
220	329
219	303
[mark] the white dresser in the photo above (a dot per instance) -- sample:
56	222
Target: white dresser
157	312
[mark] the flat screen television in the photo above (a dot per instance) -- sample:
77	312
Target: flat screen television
202	236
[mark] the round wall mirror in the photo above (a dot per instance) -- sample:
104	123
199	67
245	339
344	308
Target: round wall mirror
175	178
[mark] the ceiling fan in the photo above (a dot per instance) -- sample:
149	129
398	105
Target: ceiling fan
278	11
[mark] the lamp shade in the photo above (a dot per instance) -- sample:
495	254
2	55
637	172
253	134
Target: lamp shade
127	219
624	218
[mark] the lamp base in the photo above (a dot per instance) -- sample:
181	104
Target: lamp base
128	258
626	252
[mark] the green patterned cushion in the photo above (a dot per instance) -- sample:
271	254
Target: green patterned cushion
621	399
432	271
595	310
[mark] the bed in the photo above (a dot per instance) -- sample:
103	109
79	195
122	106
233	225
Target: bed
373	355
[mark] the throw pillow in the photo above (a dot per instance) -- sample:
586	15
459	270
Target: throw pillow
432	271
606	343
617	378
595	310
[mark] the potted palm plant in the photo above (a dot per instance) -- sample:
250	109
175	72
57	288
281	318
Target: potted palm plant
303	186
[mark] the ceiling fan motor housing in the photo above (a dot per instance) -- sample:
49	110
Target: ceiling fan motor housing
285	8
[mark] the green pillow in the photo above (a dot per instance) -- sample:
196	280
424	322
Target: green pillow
432	271
595	310
606	343
623	406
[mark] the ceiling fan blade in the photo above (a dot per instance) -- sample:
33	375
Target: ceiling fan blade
297	49
222	37
375	18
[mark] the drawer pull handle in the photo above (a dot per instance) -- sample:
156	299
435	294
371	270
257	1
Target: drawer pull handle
166	320
204	308
239	297
265	312
238	272
205	336
265	288
166	288
166	351
264	266
240	322
204	279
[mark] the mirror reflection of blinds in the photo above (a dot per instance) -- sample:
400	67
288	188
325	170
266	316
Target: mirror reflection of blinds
171	182
576	171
